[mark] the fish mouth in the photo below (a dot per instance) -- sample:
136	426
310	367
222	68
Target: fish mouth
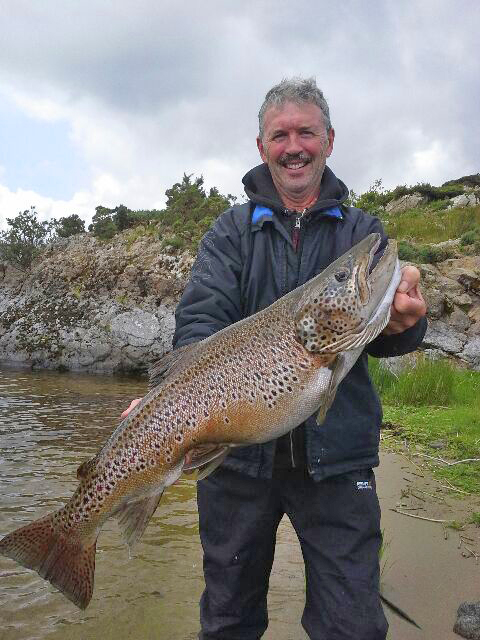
375	288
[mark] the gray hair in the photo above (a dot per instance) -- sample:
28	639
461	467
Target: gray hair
294	90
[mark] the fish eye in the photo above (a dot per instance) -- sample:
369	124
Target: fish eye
341	276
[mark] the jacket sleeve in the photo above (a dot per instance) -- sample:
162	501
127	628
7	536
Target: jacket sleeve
212	297
400	343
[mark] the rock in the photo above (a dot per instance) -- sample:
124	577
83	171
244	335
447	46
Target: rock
471	352
408	201
459	320
464	301
465	200
435	300
440	336
137	328
467	623
437	444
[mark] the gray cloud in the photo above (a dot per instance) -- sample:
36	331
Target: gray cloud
178	87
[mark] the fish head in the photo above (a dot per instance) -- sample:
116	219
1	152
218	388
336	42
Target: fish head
348	304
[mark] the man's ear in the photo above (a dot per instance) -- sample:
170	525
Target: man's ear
261	149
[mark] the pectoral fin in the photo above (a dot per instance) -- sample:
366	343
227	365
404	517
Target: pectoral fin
342	365
205	458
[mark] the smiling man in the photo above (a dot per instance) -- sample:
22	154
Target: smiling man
294	224
295	142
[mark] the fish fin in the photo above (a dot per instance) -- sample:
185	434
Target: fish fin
206	469
205	458
342	365
57	555
168	363
203	455
133	517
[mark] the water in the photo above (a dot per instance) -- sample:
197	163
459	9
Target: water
49	424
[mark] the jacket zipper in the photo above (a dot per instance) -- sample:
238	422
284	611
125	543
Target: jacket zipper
296	232
296	235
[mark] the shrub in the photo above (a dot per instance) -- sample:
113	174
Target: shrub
423	254
69	226
470	237
25	238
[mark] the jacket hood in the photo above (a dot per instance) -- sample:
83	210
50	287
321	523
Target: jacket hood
260	189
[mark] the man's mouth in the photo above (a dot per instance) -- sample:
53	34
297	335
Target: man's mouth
297	163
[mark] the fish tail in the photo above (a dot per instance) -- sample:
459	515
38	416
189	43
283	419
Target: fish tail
57	555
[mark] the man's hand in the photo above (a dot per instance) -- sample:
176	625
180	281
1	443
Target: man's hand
408	304
131	406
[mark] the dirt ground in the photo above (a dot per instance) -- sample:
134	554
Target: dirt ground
429	569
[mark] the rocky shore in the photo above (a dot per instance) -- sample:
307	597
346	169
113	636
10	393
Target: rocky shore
92	306
108	307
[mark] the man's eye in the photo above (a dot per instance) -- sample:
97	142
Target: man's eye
278	136
306	134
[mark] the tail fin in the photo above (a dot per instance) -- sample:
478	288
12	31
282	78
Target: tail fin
57	555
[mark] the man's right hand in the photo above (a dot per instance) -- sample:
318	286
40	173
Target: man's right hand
131	406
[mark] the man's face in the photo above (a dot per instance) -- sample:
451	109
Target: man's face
295	145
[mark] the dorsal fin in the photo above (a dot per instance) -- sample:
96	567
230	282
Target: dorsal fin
168	363
86	468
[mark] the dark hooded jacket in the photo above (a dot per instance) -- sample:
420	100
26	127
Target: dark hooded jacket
254	254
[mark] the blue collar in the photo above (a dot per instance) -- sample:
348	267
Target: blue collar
262	214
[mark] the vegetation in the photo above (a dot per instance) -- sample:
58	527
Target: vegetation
435	404
24	239
190	210
69	226
188	214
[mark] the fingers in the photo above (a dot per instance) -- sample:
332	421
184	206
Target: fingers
131	406
408	303
410	279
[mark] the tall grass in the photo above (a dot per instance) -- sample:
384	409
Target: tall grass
430	382
428	225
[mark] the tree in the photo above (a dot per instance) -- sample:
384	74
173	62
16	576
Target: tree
69	226
188	200
25	238
103	225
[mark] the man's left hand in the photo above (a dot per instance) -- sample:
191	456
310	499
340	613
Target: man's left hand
408	304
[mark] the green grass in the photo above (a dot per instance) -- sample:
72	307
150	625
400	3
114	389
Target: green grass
431	224
434	403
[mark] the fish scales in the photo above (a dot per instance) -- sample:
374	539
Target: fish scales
248	383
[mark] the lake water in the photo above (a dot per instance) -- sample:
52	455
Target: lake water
51	422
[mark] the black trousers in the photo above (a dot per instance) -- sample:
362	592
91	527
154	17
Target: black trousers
337	522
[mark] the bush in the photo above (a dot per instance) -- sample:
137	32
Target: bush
69	226
423	254
470	237
372	201
20	244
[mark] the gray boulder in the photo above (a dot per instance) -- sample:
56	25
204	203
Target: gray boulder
465	200
467	623
408	201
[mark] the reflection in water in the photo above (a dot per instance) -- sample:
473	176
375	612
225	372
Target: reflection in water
49	424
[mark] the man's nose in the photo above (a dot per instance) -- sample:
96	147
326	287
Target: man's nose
293	144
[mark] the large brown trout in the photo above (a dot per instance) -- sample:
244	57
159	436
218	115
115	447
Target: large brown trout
248	383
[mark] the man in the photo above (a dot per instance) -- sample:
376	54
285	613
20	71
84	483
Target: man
293	226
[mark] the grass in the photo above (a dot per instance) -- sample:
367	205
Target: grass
429	224
436	409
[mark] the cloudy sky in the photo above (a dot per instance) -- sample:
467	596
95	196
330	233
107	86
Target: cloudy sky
109	102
